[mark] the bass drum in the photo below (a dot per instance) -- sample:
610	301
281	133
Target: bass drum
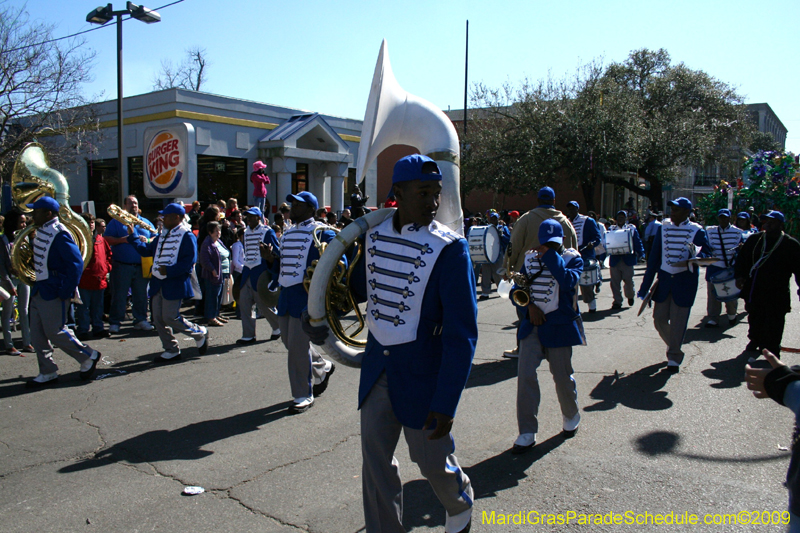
484	244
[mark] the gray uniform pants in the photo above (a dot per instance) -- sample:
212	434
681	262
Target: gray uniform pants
714	306
248	297
48	325
531	355
306	365
382	488
587	293
168	320
670	321
489	274
622	273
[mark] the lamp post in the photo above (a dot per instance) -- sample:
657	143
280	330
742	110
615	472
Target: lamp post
102	15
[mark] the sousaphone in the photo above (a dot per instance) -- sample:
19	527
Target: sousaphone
393	116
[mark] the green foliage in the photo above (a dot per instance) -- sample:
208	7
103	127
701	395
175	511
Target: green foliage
769	181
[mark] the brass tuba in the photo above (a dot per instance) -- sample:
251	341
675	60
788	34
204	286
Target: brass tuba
31	179
393	116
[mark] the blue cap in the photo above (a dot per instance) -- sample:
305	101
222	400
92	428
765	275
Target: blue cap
724	213
624	213
574	204
409	168
685	203
305	197
173	209
45	202
775	215
546	193
743	214
254	211
550	231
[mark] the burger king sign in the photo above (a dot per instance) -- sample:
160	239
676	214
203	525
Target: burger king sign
170	163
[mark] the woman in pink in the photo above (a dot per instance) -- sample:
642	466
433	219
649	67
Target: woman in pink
260	180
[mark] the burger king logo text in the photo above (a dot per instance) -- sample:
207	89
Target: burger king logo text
164	162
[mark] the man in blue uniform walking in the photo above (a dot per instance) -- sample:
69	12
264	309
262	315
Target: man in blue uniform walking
422	318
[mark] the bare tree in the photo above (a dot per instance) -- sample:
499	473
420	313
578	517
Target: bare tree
189	74
40	86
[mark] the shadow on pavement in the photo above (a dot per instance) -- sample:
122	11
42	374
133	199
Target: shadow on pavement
640	390
729	372
501	472
600	314
658	443
492	372
184	443
704	334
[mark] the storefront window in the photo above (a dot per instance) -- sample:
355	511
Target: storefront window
300	178
221	178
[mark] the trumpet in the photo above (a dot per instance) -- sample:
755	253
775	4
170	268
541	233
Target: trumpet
127	219
521	296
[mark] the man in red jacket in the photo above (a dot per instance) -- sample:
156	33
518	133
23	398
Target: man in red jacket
93	286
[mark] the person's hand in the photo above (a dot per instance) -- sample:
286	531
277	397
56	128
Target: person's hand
536	315
129	227
162	270
214	273
266	250
444	424
541	249
755	376
142	238
317	334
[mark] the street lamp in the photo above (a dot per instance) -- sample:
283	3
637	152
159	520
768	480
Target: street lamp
102	15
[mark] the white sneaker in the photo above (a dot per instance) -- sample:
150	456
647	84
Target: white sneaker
170	355
144	325
44	378
571	424
113	328
87	365
511	354
525	439
301	405
202	340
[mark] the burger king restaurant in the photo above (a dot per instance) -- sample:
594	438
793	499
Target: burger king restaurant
222	138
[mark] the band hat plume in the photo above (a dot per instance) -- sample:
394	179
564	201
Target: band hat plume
551	231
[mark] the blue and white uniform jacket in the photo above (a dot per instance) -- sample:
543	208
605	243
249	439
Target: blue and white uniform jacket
673	244
254	264
588	234
505	238
422	316
176	249
553	291
727	239
57	262
297	252
638	247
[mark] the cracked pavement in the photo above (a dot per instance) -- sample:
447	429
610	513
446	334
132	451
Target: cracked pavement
114	454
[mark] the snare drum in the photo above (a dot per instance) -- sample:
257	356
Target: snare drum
724	285
619	242
591	273
484	244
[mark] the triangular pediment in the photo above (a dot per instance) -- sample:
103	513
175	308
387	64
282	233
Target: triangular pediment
306	132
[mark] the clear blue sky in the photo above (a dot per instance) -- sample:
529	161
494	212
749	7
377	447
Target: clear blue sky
320	55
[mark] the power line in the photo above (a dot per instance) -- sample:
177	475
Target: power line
82	32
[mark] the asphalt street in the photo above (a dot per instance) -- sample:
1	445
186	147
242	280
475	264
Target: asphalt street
115	454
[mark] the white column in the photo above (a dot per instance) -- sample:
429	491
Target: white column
283	168
338	171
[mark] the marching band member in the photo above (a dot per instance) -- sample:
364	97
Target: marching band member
743	223
260	242
525	236
489	270
174	253
621	266
418	353
724	240
309	372
550	327
676	241
588	236
58	264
